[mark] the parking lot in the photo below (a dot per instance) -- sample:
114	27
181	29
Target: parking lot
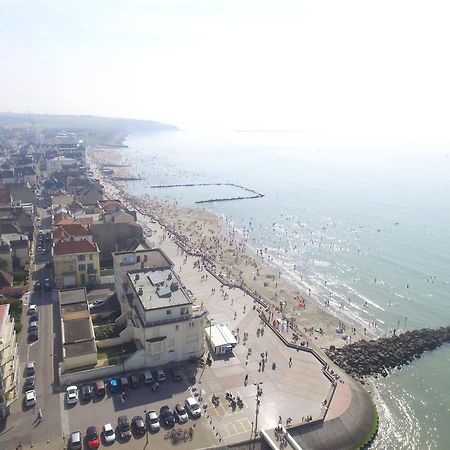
106	409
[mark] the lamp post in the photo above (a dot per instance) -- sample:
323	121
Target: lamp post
258	402
124	351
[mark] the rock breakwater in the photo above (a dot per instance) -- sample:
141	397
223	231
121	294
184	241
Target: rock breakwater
378	357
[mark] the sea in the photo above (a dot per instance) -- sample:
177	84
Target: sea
363	226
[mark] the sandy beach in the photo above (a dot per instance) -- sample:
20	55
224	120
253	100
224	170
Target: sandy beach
223	251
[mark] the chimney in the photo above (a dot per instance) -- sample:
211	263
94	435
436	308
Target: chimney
140	291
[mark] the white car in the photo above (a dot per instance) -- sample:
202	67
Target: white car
96	304
72	395
152	421
193	407
30	398
32	309
160	375
108	432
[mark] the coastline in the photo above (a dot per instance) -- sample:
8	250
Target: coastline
202	231
199	232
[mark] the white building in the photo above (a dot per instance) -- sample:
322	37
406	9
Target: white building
59	163
161	315
9	362
168	325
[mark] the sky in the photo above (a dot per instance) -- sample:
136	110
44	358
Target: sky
364	67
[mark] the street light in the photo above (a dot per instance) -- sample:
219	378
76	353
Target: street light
124	351
258	402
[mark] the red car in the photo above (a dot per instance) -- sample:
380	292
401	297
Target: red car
93	440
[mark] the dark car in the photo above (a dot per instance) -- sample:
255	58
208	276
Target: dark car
138	424
34	317
87	392
75	441
30	382
124	427
135	381
33	335
167	416
37	286
92	438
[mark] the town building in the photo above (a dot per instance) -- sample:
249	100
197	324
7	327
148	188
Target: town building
79	349
168	326
76	263
9	361
60	163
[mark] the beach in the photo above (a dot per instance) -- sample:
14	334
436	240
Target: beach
201	232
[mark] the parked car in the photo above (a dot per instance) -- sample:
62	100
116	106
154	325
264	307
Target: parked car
75	441
47	284
33	326
193	407
180	413
124	427
30	382
99	387
124	383
114	385
177	374
34	335
37	286
72	395
86	392
34	317
92	438
148	378
167	416
31	368
160	375
138	425
97	304
32	308
108	433
30	398
135	381
152	421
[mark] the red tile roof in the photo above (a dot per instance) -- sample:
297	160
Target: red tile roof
70	229
73	247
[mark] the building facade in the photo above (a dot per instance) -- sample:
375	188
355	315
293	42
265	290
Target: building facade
9	362
76	263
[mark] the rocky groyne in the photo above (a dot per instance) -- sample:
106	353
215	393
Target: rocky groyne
380	356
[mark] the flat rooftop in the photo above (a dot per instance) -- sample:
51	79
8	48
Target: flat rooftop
158	289
68	296
79	348
76	330
156	259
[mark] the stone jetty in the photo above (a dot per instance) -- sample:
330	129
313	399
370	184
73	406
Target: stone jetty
380	356
253	193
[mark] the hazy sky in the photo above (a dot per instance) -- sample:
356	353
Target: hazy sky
304	65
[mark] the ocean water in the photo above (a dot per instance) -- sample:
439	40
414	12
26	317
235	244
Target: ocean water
363	226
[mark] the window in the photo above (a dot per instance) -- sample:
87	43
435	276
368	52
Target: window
91	257
139	258
191	324
184	311
81	267
168	312
81	257
177	327
90	267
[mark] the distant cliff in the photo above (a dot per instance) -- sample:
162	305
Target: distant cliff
79	123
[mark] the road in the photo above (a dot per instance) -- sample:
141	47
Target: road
22	424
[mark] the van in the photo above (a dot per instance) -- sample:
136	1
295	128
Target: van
100	388
148	378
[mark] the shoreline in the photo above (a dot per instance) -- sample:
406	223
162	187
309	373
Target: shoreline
202	231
